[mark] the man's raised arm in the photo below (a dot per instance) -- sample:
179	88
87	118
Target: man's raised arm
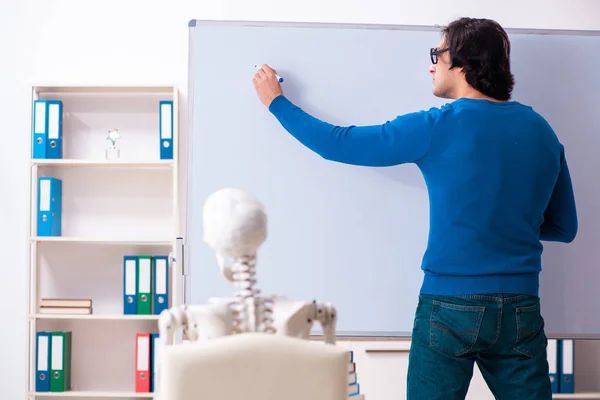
404	139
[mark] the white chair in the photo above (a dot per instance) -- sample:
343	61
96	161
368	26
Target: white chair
254	366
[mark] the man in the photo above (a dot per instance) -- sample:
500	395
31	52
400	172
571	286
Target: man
498	183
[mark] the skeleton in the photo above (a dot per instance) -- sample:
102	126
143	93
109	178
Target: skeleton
235	226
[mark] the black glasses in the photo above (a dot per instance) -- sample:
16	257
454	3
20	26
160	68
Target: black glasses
434	52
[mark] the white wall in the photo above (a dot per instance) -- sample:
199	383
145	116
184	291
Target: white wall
143	41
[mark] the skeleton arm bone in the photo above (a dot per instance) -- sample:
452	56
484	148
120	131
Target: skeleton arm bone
197	322
291	317
326	314
296	318
169	321
209	321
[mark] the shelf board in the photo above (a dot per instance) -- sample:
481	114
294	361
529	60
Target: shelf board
97	394
105	240
109	89
99	317
102	163
576	396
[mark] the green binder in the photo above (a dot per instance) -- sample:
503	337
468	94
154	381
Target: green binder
60	361
144	292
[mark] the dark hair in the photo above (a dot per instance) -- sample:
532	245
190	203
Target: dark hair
482	48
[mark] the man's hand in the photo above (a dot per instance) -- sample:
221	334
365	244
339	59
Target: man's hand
266	84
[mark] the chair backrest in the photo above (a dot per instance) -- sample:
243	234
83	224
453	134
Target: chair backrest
254	366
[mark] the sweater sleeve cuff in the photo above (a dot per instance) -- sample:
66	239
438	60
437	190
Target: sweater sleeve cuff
278	105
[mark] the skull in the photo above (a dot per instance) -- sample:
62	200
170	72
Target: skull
235	225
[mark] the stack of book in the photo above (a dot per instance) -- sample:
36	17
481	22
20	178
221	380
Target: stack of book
353	386
66	306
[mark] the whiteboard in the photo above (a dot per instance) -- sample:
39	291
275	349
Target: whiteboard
355	236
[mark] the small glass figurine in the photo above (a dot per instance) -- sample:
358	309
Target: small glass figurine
112	153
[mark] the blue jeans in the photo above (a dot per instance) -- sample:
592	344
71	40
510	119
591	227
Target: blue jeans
503	334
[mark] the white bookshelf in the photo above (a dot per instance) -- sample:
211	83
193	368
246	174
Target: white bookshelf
110	208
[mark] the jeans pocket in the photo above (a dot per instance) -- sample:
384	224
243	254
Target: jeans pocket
454	328
530	337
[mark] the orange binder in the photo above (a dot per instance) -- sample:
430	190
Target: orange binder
142	366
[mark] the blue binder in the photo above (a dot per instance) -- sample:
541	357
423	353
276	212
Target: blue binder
54	129
42	357
160	292
130	280
166	129
49	221
567	366
154	347
40	129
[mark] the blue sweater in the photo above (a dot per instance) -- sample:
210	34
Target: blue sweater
497	179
